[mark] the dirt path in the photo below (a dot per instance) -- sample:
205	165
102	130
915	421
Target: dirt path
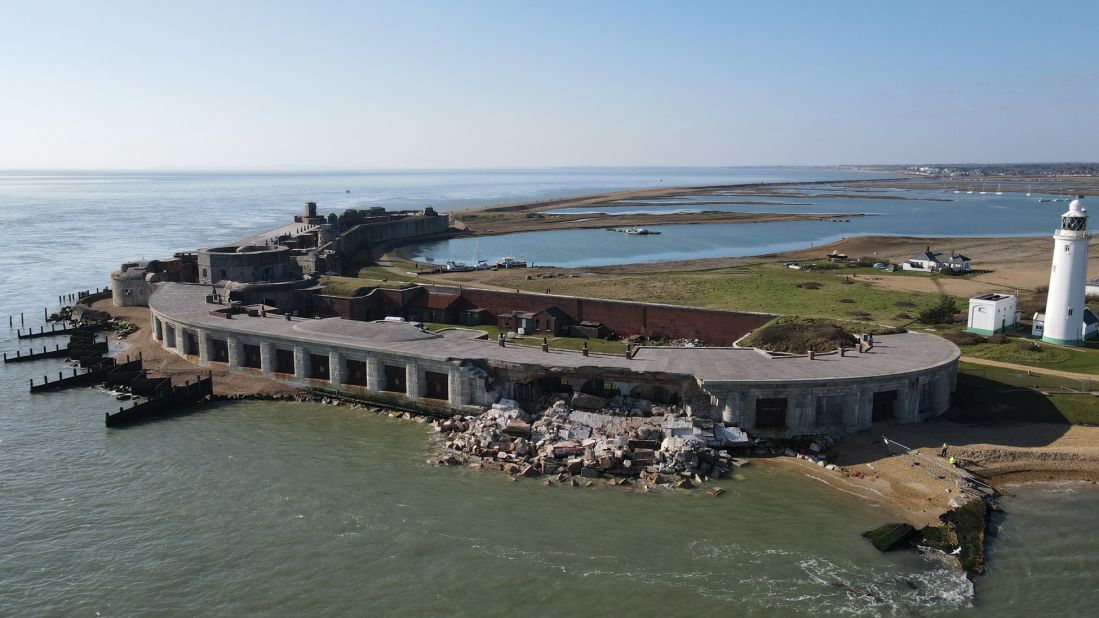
1028	369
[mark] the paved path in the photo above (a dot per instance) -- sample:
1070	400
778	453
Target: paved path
1043	371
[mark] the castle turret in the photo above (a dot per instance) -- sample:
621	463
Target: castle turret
1064	318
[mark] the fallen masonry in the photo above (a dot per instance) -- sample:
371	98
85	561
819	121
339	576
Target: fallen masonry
629	439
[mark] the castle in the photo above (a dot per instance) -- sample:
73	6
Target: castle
255	307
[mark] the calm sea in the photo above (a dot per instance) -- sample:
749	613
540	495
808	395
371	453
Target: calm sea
292	509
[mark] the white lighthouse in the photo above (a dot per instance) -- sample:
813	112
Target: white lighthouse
1064	318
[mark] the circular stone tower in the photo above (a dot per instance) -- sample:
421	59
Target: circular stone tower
1064	320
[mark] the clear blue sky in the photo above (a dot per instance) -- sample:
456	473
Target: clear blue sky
520	83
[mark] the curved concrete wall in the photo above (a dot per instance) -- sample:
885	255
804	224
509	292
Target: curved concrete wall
262	264
775	408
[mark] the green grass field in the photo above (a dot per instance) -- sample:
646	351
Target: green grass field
766	287
999	395
1081	360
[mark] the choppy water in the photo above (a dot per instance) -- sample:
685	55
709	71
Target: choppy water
280	509
927	213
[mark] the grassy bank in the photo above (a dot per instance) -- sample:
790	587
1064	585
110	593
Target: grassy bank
764	287
991	395
1022	351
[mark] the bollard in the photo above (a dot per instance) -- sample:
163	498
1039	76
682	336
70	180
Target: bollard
59	376
584	350
21	321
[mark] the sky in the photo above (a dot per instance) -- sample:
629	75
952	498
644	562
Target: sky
523	83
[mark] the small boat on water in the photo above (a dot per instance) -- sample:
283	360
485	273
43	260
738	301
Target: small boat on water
510	262
639	231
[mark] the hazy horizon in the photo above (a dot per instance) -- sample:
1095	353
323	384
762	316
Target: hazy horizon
342	86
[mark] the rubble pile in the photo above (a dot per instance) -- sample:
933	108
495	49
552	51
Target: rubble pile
588	437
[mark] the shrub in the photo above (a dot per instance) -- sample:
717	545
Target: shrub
1027	346
809	285
905	303
943	312
846	301
902	316
997	339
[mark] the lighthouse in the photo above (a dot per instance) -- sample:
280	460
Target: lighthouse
1064	318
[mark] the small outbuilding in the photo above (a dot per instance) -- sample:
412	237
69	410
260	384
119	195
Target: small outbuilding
990	314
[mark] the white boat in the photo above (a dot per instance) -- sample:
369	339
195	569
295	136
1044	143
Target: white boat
456	267
510	262
639	231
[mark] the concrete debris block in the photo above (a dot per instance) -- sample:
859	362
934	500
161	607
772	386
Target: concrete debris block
516	427
621	437
731	436
585	401
789	453
813	446
715	491
832	467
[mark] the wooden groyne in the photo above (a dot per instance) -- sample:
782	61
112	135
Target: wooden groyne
107	372
53	330
77	349
171	402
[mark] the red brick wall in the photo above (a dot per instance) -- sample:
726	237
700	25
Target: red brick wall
625	318
712	326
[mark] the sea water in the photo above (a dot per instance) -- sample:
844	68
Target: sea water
262	508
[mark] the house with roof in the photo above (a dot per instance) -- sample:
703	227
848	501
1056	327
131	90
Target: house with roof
549	322
934	262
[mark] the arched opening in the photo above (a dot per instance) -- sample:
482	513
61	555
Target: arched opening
600	388
534	389
656	393
205	273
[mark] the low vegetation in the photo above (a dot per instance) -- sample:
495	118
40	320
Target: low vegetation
799	335
355	286
763	287
996	395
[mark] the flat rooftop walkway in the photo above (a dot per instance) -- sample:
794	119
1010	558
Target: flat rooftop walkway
892	354
263	237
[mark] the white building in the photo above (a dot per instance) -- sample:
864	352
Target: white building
1063	321
1089	329
993	313
932	262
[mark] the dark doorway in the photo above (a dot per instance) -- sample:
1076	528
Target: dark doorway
318	366
219	350
356	373
437	385
251	356
190	343
771	413
284	361
885	406
600	388
394	379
